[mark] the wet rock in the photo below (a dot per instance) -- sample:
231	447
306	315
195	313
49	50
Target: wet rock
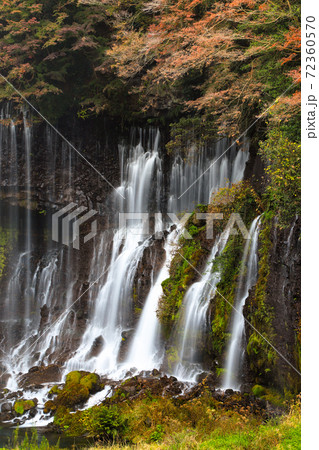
131	390
156	373
96	347
12	395
36	387
246	388
45	374
282	297
6	407
32	413
34	369
172	379
201	377
6	417
22	406
229	392
49	407
173	389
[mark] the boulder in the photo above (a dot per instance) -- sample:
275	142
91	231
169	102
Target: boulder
6	407
22	406
39	375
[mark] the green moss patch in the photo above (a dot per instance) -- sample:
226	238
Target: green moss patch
77	389
190	254
22	406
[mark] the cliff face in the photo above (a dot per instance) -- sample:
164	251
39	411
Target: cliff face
282	301
58	174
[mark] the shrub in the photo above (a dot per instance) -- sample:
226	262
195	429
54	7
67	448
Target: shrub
283	165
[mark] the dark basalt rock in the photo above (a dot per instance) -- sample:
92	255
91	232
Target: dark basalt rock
47	374
12	395
96	347
229	392
6	407
34	368
283	298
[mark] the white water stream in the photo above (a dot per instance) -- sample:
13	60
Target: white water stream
51	282
247	279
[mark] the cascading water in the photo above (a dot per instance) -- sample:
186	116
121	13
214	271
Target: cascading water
145	352
204	172
247	279
193	320
27	146
34	280
44	285
111	316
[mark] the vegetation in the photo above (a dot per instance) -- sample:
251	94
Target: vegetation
29	442
202	70
217	65
283	165
190	254
77	389
198	424
21	406
6	239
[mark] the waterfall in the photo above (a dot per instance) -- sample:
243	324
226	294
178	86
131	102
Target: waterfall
42	281
113	306
192	324
28	231
247	279
145	352
206	170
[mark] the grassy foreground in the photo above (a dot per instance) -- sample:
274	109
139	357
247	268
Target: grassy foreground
284	433
230	431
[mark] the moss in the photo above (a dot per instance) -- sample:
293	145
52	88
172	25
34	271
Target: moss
77	389
240	198
261	356
74	377
228	264
190	253
55	390
91	381
172	357
49	406
5	246
73	394
258	390
22	406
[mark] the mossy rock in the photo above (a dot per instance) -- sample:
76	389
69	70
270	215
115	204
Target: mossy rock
75	376
22	406
258	390
49	406
73	394
92	382
55	390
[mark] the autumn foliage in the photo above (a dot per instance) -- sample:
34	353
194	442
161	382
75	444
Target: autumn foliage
230	60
